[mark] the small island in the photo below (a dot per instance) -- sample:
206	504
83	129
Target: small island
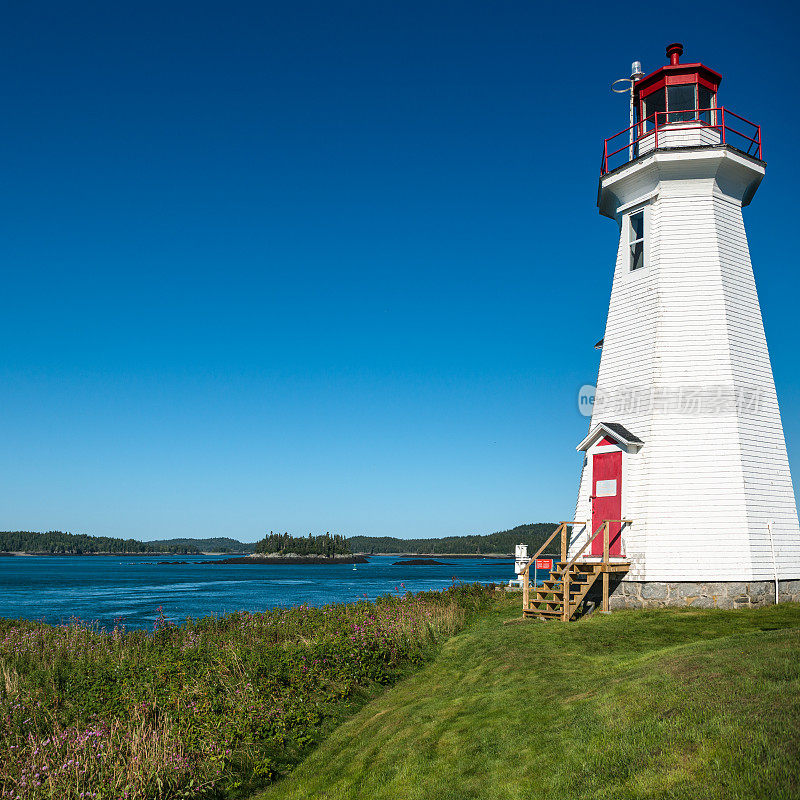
281	548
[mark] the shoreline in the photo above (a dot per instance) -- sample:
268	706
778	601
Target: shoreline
496	556
244	558
25	554
273	560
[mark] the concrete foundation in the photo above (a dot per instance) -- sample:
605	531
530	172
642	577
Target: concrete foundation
723	594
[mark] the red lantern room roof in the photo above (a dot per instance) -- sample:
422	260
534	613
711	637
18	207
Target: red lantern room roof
675	73
667	103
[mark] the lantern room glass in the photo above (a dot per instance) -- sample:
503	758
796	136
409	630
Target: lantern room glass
705	103
652	104
680	102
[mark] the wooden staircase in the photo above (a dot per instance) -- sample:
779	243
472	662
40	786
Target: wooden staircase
560	596
548	599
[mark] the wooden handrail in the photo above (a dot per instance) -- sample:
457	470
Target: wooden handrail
592	537
539	551
566	606
588	542
526	590
550	539
566	609
525	574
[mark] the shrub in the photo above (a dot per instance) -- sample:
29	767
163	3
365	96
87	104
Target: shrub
194	710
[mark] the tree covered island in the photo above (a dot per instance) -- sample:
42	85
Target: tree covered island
283	544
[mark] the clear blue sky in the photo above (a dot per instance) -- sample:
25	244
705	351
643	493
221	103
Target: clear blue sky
333	266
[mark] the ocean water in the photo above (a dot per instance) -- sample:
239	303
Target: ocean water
107	589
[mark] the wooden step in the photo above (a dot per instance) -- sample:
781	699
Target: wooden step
544	614
575	580
579	569
578	580
537	613
558	594
569	583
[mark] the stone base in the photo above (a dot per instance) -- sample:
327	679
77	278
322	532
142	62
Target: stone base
722	594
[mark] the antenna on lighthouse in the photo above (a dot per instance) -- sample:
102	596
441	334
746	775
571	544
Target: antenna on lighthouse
627	88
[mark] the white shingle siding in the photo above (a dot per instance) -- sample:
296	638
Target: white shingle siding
704	486
679	134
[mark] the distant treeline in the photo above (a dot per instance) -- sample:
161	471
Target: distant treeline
218	544
59	543
325	545
533	535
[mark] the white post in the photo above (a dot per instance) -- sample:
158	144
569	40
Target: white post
636	74
630	131
520	560
774	562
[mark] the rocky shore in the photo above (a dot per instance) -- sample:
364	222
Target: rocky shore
501	556
291	558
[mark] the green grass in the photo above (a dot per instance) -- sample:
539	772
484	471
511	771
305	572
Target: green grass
657	704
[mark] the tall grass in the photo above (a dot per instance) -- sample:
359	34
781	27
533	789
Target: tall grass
209	707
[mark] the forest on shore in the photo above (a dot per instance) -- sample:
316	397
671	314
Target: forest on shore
533	534
216	544
60	543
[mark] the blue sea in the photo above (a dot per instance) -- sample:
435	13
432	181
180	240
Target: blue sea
108	589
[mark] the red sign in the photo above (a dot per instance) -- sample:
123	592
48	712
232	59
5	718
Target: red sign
544	563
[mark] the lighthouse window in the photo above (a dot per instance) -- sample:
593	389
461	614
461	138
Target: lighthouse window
636	239
655	103
705	101
681	102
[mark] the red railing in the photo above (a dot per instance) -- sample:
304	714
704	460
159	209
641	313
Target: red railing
643	137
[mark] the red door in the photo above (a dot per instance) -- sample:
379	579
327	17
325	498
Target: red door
607	500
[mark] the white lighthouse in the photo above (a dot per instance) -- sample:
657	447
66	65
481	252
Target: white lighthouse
686	440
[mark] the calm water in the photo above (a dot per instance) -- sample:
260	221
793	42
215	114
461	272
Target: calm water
105	588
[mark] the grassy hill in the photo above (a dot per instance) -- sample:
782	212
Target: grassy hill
661	704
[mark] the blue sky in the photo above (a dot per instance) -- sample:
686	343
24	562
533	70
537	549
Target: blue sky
332	266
